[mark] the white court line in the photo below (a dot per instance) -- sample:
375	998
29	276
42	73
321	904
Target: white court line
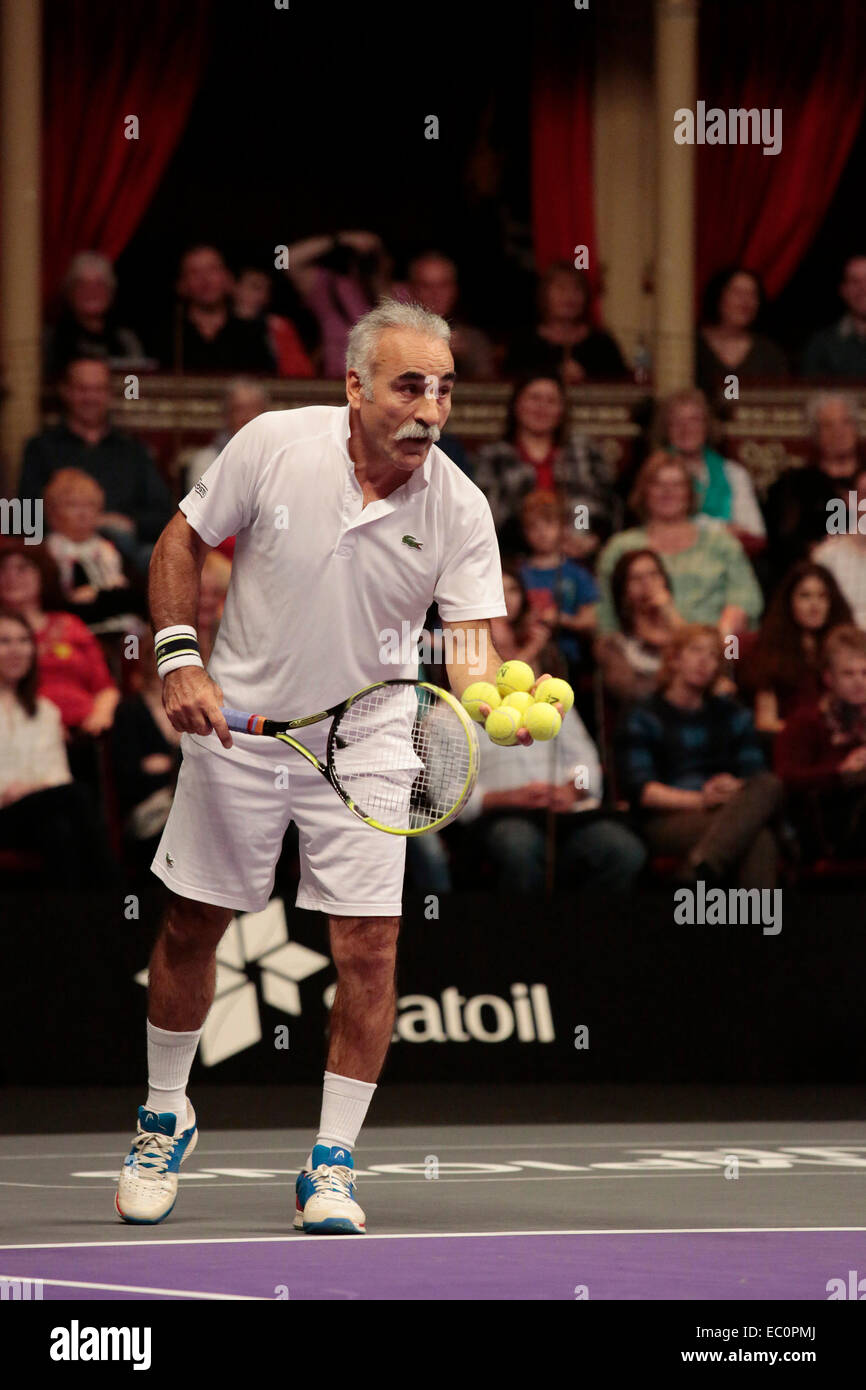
636	1144
407	1179
132	1288
301	1241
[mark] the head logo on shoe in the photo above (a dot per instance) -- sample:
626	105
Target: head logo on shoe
157	1124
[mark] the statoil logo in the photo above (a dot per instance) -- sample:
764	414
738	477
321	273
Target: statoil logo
484	1018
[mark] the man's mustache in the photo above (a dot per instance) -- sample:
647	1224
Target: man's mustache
414	429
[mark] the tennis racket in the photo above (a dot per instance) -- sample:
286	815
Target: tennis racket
403	755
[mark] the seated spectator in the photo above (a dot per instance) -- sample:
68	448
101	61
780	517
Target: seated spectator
692	767
725	489
782	671
87	326
253	291
518	787
72	670
840	351
538	451
711	578
821	753
558	589
210	337
41	808
565	342
90	567
433	283
796	506
243	401
845	556
523	635
138	503
630	659
729	343
145	758
339	278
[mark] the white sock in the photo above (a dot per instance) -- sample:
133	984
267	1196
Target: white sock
344	1106
169	1060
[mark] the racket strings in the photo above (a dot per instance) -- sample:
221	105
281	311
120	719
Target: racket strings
403	756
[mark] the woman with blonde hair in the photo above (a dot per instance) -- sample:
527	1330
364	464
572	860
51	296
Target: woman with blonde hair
711	578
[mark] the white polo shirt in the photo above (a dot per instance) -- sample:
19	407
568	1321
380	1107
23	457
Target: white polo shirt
318	580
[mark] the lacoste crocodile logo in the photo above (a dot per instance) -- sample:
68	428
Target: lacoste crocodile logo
410	540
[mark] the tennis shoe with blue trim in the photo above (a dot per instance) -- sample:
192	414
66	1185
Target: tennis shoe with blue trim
325	1195
147	1188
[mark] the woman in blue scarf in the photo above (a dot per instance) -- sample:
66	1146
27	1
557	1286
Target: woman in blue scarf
725	489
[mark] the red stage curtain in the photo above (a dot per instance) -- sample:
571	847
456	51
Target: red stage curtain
106	60
763	211
562	197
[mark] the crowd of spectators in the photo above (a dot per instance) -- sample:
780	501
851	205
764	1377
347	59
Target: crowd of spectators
716	640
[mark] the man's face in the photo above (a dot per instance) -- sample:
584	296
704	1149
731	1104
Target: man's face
539	407
687	427
204	280
846	677
698	663
434	284
837	431
75	515
86	393
412	379
739	301
853	287
89	294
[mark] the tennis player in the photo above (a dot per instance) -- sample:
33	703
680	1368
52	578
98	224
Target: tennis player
349	521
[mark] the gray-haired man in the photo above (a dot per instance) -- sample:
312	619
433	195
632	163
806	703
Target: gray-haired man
322	501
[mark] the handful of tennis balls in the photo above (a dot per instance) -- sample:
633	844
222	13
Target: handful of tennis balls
513	708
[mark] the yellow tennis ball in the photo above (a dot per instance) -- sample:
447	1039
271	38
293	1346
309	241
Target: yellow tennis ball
520	700
481	693
514	676
502	725
542	721
552	690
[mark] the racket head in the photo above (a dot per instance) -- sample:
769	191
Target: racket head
404	756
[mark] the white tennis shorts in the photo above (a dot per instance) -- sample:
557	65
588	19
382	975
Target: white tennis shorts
225	831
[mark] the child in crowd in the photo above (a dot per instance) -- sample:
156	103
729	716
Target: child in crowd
91	567
821	752
558	589
691	764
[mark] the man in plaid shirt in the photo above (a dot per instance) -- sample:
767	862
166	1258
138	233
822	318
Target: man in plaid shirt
692	766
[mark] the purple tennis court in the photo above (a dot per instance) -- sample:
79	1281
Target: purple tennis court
668	1210
543	1265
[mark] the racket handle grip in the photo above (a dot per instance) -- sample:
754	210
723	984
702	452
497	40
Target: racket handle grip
239	722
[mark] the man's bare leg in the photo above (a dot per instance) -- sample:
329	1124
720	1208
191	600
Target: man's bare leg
183	964
364	950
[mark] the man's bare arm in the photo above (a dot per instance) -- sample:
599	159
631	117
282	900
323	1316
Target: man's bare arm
190	698
175	574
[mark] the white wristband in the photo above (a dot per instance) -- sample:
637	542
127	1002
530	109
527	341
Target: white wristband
176	646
